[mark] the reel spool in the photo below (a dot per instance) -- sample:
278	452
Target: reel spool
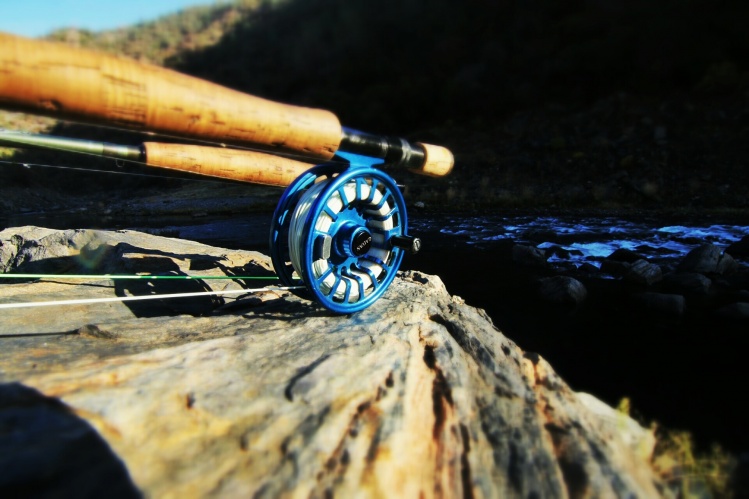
341	231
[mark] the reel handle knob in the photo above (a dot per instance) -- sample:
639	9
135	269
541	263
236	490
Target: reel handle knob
409	244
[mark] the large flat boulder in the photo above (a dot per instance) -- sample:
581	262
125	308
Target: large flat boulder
269	394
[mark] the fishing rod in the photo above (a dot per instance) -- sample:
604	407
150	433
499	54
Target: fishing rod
64	82
232	164
340	227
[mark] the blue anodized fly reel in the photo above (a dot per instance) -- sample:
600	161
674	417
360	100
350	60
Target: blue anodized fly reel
341	230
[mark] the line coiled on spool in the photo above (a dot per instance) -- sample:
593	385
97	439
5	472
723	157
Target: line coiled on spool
367	203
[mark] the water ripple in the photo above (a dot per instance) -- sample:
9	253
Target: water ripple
585	239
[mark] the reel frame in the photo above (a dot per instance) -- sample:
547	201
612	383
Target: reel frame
339	230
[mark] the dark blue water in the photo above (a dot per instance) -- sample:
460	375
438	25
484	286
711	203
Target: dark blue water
585	239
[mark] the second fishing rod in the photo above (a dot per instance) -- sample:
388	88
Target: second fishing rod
69	83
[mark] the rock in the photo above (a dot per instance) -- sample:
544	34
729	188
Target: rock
740	279
707	259
588	268
739	249
688	282
562	290
643	272
624	255
726	265
541	235
661	303
47	447
702	259
19	251
270	395
639	271
557	251
38	250
736	311
529	255
614	268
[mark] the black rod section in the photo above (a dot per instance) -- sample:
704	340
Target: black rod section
394	150
10	138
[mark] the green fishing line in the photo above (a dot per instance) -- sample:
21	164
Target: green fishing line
116	276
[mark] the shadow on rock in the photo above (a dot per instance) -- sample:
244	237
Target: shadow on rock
190	305
48	451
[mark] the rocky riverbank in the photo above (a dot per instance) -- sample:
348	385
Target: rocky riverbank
268	394
711	281
662	328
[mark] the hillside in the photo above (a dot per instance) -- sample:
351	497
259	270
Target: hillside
168	36
585	104
152	42
402	66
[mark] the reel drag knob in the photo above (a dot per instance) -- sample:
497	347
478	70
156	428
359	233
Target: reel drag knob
353	240
410	244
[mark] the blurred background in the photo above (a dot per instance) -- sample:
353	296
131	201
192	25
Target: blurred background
576	104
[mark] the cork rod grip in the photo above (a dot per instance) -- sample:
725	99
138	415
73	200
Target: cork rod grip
70	83
438	161
245	166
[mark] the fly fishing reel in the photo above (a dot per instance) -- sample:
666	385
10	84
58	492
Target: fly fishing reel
342	232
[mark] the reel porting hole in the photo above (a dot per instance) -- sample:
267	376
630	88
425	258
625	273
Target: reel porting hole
334	229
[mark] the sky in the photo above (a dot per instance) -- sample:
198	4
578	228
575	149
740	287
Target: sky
39	17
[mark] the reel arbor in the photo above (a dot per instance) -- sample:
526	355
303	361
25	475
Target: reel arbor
342	232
